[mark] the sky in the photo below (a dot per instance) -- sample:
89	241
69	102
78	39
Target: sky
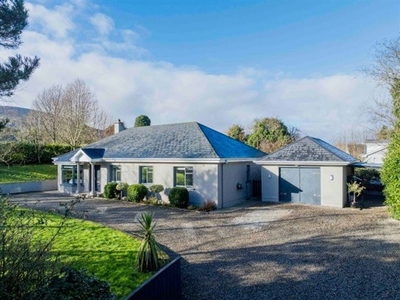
215	62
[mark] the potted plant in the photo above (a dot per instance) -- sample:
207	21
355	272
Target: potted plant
355	189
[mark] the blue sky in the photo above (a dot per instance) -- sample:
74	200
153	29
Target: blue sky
216	62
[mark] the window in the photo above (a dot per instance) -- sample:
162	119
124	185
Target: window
69	175
146	175
115	173
183	176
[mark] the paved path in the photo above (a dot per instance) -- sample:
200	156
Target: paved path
267	251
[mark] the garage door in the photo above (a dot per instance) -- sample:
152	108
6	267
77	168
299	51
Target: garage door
302	185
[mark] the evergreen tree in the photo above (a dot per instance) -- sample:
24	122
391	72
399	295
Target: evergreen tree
390	174
271	134
13	19
142	120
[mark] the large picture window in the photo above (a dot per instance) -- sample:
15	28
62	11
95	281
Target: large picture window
183	176
69	175
115	173
146	175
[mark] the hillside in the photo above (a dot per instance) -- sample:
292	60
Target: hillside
17	115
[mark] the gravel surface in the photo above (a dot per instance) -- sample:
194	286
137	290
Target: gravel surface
267	251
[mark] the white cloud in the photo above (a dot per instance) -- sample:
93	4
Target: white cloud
104	24
126	88
56	22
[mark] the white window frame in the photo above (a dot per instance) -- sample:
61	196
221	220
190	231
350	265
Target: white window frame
187	171
150	170
115	172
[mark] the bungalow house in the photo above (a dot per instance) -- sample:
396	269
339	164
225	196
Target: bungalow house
211	165
308	171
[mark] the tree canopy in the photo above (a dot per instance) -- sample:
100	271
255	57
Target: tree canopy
237	132
13	19
271	134
267	134
142	120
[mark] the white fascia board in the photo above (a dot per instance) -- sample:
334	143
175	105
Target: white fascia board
176	160
303	163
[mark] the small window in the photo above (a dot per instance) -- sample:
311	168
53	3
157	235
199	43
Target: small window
115	173
184	176
146	175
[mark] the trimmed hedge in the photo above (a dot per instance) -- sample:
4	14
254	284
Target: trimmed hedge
179	197
24	153
136	192
110	190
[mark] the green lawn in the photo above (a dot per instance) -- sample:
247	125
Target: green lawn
27	173
106	252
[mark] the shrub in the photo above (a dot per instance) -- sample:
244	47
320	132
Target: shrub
121	189
179	197
149	255
208	205
156	188
77	284
136	192
110	190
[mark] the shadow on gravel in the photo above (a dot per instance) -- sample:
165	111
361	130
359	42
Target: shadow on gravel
313	268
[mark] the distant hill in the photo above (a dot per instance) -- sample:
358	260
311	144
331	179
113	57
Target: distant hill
17	115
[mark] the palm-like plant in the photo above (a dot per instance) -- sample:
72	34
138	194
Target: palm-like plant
147	258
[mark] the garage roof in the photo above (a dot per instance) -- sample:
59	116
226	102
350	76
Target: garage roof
310	149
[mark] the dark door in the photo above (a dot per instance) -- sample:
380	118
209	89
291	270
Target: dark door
301	185
97	178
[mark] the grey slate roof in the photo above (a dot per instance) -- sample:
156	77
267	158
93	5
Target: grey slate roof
179	141
310	149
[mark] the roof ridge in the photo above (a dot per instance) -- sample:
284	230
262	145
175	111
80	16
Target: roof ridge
206	137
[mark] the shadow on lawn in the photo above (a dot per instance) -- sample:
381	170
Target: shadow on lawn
321	267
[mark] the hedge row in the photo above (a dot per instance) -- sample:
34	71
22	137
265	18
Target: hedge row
23	153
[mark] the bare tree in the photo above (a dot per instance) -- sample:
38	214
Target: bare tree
352	141
48	111
385	69
69	115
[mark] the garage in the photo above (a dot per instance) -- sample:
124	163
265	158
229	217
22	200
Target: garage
302	185
308	171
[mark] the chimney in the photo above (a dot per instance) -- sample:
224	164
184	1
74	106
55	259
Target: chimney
119	126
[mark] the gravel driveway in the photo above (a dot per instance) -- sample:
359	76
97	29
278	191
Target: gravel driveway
267	251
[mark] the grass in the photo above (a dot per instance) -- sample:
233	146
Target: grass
27	173
107	253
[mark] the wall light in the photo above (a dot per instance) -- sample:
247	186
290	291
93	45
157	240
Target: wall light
331	177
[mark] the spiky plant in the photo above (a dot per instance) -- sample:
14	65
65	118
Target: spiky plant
147	258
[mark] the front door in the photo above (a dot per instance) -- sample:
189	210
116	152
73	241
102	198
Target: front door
97	178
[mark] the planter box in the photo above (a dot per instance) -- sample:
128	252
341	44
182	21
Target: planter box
163	285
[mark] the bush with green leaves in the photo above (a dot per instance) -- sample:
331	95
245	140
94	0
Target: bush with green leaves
77	284
136	192
149	257
156	188
179	197
366	173
121	189
110	190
